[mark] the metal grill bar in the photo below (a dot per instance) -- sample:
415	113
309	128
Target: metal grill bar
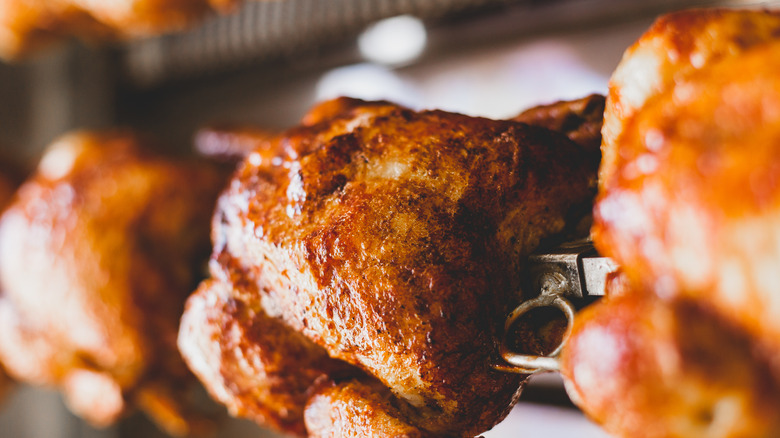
263	29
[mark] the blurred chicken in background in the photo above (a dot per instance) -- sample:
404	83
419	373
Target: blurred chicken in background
688	343
98	251
28	24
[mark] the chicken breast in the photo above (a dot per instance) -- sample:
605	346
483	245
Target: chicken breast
692	205
676	46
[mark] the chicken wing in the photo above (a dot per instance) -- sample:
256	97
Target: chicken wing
98	252
581	120
386	240
689	206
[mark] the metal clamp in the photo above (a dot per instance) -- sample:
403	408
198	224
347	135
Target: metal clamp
571	271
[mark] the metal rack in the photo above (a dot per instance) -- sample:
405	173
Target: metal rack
274	30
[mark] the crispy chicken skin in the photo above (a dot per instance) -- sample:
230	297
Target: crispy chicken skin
393	241
98	252
265	370
357	408
27	24
689	207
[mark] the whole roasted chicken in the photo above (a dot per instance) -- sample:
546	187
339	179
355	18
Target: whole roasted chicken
363	261
27	24
98	252
688	344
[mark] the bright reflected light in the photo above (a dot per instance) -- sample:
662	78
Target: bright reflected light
499	83
368	82
60	157
393	41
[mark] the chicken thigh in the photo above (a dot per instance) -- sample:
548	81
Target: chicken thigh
363	263
98	252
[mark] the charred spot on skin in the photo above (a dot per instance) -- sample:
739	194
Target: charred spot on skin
338	182
341	148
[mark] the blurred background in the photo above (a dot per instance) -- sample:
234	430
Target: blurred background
267	63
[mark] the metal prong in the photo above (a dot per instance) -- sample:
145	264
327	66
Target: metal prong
573	270
578	262
595	271
531	363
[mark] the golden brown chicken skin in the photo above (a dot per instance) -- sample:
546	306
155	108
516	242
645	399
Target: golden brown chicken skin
652	369
253	363
358	408
28	24
676	46
689	207
693	205
98	252
262	370
392	240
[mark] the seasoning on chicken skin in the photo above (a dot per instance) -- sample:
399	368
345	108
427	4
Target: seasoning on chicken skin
265	371
98	252
389	239
369	408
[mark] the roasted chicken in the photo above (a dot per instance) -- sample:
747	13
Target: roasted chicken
27	24
689	208
98	251
362	264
